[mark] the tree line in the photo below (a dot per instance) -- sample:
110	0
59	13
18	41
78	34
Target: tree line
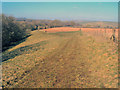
14	29
44	24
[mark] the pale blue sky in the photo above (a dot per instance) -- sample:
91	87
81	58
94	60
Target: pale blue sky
100	11
60	0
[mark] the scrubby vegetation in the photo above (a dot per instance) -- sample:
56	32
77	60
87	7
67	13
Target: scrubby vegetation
11	31
44	24
14	29
17	29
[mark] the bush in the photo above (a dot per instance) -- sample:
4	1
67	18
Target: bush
11	31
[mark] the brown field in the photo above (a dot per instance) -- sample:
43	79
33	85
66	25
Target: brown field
100	31
62	58
61	29
97	31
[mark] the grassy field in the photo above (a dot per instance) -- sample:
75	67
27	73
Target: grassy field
72	59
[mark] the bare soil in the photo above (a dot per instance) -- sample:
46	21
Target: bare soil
67	60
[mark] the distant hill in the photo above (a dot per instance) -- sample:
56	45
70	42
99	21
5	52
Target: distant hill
97	24
86	24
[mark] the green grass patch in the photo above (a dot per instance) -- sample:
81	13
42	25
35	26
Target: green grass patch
23	50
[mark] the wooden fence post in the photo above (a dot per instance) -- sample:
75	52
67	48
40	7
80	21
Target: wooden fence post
113	38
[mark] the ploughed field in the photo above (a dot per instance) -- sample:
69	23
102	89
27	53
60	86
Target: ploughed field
62	58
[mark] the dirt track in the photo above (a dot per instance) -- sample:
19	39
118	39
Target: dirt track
78	62
65	67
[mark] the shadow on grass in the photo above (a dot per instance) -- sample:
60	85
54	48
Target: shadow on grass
22	50
63	34
12	44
